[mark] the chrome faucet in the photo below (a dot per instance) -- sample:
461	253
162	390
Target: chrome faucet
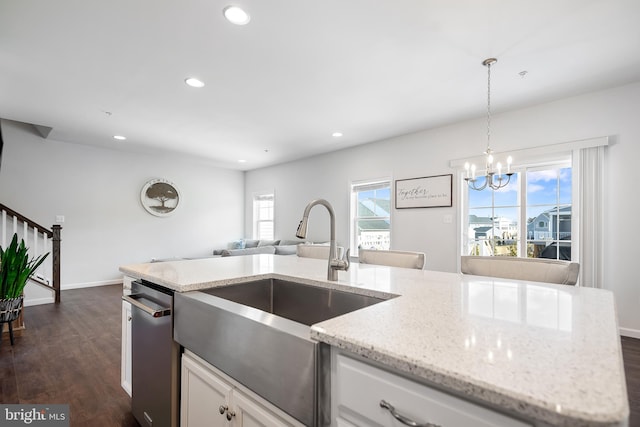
335	263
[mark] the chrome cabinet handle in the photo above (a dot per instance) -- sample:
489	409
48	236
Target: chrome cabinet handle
230	415
404	420
222	409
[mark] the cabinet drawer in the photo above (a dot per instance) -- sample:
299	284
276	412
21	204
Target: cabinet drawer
360	387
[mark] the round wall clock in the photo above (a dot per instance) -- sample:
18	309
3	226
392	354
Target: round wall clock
160	197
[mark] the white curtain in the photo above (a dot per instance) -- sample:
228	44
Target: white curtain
591	176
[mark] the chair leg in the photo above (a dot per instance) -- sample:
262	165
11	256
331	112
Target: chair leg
11	332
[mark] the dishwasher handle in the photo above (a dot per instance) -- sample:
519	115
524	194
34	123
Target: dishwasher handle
148	306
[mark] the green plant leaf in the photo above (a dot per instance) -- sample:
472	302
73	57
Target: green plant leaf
16	268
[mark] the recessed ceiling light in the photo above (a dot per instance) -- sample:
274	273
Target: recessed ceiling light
242	161
193	82
236	15
336	134
119	137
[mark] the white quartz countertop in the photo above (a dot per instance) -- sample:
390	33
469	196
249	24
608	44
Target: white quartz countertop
550	353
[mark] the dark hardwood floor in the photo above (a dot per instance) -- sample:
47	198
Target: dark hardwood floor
70	353
631	356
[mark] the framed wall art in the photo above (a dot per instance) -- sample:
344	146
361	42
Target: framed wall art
424	192
160	197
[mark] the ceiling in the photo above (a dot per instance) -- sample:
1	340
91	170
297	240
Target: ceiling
277	88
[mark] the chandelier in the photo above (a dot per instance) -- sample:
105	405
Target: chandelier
493	176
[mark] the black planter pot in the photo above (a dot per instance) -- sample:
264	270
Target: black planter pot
9	311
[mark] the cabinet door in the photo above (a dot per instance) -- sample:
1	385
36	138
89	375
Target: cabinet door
251	414
125	356
202	396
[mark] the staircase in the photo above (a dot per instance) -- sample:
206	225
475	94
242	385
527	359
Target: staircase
39	240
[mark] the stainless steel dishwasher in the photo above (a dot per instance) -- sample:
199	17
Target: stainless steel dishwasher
154	356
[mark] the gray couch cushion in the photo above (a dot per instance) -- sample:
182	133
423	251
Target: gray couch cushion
286	249
290	242
268	242
251	243
249	251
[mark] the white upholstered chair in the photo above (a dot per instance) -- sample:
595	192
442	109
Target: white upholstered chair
533	269
405	259
317	251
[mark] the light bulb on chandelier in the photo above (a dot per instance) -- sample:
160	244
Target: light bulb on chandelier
493	177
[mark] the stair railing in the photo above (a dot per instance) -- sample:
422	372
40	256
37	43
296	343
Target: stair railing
39	239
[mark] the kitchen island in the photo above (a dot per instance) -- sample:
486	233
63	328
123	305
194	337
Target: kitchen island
548	354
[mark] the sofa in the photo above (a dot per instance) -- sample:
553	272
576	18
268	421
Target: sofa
252	246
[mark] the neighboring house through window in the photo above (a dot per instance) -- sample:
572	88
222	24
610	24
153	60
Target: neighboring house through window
530	217
263	216
371	215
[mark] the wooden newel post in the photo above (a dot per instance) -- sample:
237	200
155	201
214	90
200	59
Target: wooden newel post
56	228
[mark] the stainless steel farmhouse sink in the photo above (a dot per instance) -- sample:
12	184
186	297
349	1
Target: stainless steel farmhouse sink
301	303
258	333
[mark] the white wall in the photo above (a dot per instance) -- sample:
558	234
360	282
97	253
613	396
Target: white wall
611	113
98	192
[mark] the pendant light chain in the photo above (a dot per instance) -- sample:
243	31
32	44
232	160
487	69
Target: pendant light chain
489	108
493	176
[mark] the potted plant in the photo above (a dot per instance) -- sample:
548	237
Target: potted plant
15	270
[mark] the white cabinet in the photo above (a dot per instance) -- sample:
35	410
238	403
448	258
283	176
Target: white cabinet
211	398
203	395
358	389
125	357
125	345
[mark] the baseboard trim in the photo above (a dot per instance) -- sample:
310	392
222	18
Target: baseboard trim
631	333
28	302
50	300
90	284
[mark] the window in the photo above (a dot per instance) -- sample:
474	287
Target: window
548	202
530	217
263	218
370	215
